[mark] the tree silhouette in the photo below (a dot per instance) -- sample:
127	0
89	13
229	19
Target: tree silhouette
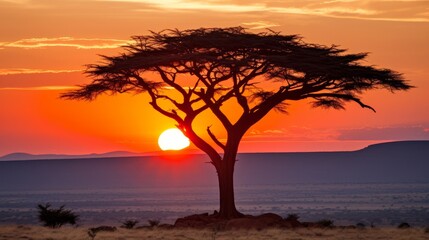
186	73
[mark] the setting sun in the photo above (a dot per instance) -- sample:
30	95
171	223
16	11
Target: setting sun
172	139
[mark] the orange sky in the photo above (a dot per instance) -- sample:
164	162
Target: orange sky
44	46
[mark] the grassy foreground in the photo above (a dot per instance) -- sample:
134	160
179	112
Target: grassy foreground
69	233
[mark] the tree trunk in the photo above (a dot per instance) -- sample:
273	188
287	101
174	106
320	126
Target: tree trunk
225	173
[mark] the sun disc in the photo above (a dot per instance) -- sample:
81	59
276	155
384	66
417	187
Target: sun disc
172	139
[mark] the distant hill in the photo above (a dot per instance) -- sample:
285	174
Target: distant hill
395	162
405	161
400	146
27	156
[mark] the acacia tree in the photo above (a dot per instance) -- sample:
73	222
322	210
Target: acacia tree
186	73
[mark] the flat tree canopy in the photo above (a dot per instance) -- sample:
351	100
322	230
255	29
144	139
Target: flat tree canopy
201	70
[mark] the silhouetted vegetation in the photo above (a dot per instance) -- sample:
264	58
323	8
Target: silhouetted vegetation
404	225
129	224
292	217
55	218
360	225
229	66
325	223
153	222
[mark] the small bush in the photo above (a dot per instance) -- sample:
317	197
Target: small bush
129	224
404	225
292	217
325	223
360	225
427	230
153	223
55	218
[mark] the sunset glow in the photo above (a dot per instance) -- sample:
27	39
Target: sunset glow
45	45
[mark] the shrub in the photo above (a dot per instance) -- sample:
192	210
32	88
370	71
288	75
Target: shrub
360	225
55	218
153	223
129	224
325	223
404	225
292	217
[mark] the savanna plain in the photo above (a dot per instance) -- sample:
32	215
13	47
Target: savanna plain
71	233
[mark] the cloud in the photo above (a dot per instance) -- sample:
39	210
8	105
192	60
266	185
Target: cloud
340	1
274	131
14	71
386	133
401	11
301	138
79	43
299	133
39	79
372	10
38	88
291	133
330	12
16	1
200	5
260	24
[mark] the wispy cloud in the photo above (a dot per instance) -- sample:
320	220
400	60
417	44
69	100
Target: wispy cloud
325	11
249	7
14	71
199	5
372	134
260	24
386	133
395	10
40	88
374	10
274	131
16	1
79	43
339	1
291	133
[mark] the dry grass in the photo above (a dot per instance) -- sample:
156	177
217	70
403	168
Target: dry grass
69	233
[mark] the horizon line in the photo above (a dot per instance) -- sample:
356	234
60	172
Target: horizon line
171	152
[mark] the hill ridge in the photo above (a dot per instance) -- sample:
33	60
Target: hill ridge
394	145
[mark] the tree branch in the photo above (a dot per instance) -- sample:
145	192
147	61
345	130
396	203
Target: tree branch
215	108
346	97
153	95
187	129
170	81
213	137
